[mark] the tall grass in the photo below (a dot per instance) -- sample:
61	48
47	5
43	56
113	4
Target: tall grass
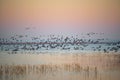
82	66
27	69
32	72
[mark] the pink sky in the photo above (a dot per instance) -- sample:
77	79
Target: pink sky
62	15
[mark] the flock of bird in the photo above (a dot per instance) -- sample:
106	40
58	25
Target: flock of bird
52	42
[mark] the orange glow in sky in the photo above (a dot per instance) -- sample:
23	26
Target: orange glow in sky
61	11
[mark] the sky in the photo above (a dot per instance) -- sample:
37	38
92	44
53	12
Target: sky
60	16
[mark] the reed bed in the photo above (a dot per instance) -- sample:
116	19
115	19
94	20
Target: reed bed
44	68
27	69
68	62
75	66
75	71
